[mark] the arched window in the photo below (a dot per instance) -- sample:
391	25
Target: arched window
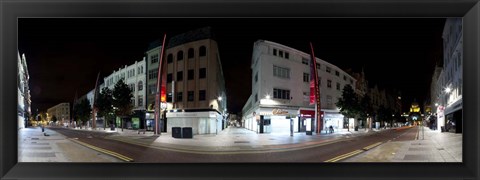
140	85
169	58
180	55
191	53
203	51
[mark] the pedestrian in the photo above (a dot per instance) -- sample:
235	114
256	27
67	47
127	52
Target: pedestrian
331	129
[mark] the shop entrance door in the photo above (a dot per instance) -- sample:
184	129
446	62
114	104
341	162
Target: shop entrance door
302	124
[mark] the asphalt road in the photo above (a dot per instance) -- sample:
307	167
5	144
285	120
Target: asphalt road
315	154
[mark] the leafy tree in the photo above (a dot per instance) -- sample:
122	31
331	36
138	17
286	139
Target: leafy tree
54	118
104	105
83	111
366	107
385	114
122	95
348	103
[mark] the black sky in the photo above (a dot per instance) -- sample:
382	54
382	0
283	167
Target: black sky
64	55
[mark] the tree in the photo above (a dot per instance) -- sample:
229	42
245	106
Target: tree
348	103
83	111
385	114
104	105
366	108
122	95
54	119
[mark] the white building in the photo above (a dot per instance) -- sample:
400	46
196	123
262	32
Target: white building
280	90
195	85
23	92
134	76
451	76
60	111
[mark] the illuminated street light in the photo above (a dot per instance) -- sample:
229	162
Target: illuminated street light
447	90
436	104
268	96
220	98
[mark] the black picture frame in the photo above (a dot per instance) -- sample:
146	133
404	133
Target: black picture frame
11	10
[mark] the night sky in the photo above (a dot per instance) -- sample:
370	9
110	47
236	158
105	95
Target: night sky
64	55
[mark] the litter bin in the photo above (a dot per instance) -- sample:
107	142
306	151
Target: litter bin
112	127
443	128
356	128
176	132
187	132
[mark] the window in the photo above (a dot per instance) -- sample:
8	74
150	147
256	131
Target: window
132	101
169	97
170	58
190	74
281	72
180	55
318	66
169	77
202	73
191	53
280	53
281	93
140	85
306	77
338	86
140	100
180	76
344	78
328	69
190	96
287	55
275	52
320	81
351	81
202	51
256	97
154	58
337	73
153	74
179	96
201	95
329	83
304	61
256	77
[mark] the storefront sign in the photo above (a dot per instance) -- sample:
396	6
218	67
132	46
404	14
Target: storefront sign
192	114
279	112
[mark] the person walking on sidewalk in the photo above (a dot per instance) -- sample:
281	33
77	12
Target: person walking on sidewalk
330	129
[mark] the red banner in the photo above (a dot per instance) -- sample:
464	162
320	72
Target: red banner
314	87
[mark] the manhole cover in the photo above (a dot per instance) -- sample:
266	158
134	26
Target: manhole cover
241	141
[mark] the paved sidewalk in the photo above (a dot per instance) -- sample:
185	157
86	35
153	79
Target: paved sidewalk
430	146
34	146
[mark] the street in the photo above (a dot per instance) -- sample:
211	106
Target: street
336	150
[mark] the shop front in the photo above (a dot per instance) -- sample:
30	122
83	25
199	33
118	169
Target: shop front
334	119
201	121
272	120
454	118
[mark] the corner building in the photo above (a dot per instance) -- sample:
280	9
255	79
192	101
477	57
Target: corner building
195	83
281	90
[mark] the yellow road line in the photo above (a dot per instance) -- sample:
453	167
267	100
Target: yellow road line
372	146
344	156
111	153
